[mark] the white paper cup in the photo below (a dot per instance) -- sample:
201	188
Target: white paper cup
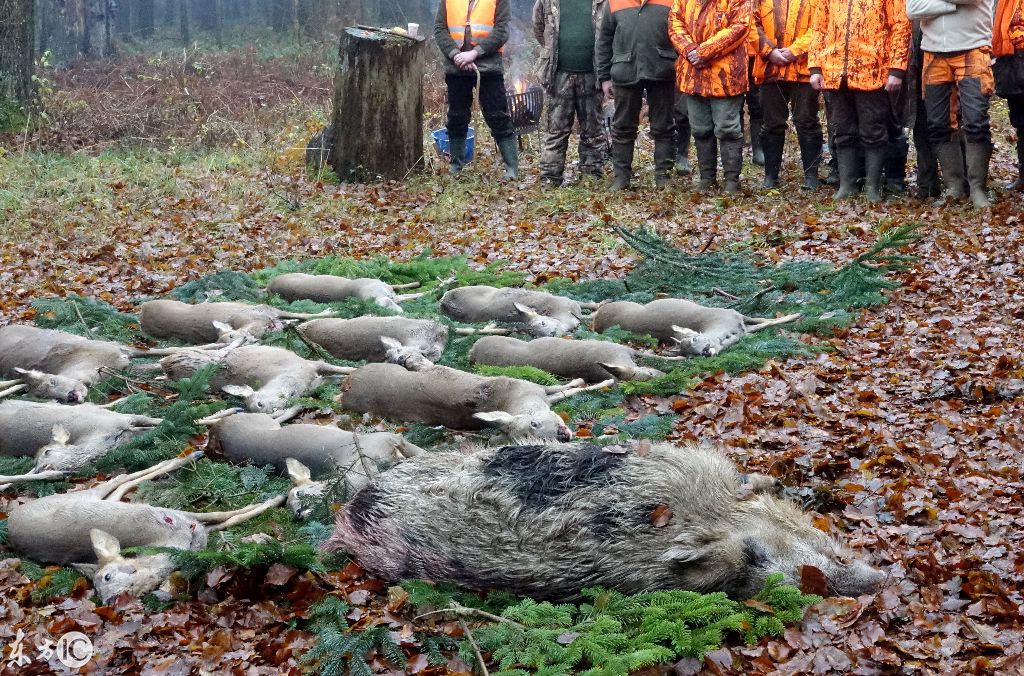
414	30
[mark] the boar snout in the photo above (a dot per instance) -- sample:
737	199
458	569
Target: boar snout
857	579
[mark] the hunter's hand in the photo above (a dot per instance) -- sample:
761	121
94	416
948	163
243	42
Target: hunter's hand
464	60
776	58
893	84
694	58
608	88
817	81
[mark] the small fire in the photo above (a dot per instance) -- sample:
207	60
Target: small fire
519	86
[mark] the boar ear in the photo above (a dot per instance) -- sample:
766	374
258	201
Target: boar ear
105	545
299	473
526	310
390	343
495	418
619	371
242	391
60	435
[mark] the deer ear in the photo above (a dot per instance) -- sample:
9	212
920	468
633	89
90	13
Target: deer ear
242	391
299	473
496	418
619	371
21	371
86	569
683	332
105	545
60	435
223	327
526	310
390	343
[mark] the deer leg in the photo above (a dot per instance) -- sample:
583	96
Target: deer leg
489	330
144	421
287	414
51	475
9	383
238	516
13	390
116	488
565	394
653	355
301	315
554	389
410	285
219	415
752	324
410	296
325	369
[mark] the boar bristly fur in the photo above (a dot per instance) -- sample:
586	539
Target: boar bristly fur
548	521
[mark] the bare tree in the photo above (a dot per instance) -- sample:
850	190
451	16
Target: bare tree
17	51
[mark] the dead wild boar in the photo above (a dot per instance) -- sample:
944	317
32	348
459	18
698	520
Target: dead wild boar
544	314
547	521
331	289
413	343
695	330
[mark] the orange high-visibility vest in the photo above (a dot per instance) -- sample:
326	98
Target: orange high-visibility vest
479	20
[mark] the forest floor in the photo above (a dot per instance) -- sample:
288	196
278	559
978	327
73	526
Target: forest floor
160	169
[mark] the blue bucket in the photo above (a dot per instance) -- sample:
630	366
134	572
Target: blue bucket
441	143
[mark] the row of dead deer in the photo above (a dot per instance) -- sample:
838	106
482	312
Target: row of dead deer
56	365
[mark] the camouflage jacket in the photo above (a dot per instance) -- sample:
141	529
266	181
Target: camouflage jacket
546	19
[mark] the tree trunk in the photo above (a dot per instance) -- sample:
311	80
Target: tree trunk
97	29
146	18
186	28
124	19
17	53
378	106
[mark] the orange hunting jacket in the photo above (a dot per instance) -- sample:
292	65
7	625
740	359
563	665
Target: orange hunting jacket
718	30
864	40
783	24
1008	34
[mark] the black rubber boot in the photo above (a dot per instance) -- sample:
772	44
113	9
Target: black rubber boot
732	165
846	160
928	184
457	150
874	160
707	162
810	158
756	146
773	146
895	167
683	167
1018	184
510	156
663	161
978	157
622	166
951	162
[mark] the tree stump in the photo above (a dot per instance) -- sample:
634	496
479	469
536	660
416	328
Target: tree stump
377	124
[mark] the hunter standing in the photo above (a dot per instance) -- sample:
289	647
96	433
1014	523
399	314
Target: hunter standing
1008	49
784	33
711	38
859	52
634	56
566	32
471	35
958	83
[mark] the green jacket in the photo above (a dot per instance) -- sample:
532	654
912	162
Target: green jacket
633	42
489	60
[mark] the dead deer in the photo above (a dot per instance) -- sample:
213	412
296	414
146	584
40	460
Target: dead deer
413	343
444	396
694	329
591	360
51	364
214	324
260	439
544	314
87	528
331	289
65	437
265	377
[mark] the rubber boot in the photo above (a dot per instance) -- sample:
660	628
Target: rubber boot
1018	184
978	156
510	156
928	184
457	150
732	165
810	158
756	146
832	177
707	162
846	162
951	162
773	146
683	167
663	152
622	166
874	161
895	167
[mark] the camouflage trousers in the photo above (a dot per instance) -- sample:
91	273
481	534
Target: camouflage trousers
574	96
